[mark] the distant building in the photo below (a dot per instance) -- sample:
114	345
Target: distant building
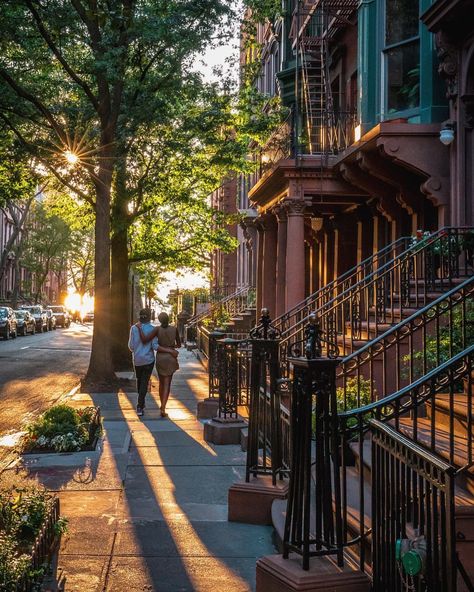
55	285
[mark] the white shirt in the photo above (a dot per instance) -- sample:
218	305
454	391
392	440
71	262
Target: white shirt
143	353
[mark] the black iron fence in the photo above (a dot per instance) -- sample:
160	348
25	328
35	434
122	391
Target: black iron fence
267	449
332	508
413	516
41	551
222	310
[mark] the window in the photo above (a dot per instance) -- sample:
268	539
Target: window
402	55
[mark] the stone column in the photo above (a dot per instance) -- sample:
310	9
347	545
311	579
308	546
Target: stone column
269	264
295	272
280	304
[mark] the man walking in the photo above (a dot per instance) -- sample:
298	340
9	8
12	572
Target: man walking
143	356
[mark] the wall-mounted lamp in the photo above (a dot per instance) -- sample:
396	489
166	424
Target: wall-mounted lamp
446	135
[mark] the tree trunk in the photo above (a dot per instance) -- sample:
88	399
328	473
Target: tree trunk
120	301
120	284
100	374
16	282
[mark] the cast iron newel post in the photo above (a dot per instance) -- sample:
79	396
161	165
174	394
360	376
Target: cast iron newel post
214	363
313	524
227	356
264	448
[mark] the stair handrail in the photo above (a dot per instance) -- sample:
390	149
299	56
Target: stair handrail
359	266
347	275
194	320
369	281
356	422
401	331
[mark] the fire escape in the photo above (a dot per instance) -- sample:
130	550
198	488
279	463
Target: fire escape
321	126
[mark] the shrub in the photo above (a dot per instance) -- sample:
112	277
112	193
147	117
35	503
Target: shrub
359	392
23	511
61	428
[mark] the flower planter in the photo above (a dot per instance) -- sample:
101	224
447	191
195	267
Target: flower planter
93	429
42	551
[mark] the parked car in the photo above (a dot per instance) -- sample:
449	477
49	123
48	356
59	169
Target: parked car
63	318
25	322
51	319
88	317
8	324
40	317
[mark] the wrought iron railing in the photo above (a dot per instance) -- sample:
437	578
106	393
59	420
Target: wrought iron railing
410	349
266	449
413	516
41	551
351	277
393	291
230	306
329	506
450	386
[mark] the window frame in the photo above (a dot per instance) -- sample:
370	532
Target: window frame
385	49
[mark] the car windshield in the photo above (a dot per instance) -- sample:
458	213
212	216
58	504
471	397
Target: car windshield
20	313
56	308
3	312
35	310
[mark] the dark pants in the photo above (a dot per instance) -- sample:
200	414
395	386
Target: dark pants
143	374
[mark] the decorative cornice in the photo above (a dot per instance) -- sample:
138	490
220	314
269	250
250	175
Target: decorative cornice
295	207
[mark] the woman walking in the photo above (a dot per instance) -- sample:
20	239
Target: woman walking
166	363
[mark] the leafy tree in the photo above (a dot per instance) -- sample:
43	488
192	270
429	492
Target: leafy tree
100	94
46	246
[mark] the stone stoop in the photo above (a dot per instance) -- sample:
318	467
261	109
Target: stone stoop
252	502
275	574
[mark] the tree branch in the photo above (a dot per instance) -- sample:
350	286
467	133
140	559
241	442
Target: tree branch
47	37
31	149
21	92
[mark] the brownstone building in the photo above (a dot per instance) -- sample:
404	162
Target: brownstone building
359	162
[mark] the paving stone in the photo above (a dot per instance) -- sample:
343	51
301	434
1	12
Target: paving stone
187	574
82	574
197	455
161	439
203	539
89	536
186	484
89	503
147	509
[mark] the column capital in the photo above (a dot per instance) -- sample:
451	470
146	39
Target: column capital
295	207
280	212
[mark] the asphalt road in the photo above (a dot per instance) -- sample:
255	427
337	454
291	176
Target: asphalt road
36	370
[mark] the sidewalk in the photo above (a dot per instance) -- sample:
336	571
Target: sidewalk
148	511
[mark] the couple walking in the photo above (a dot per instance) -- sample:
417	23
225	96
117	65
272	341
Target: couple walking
146	339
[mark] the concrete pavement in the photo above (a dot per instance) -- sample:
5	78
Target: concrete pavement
148	509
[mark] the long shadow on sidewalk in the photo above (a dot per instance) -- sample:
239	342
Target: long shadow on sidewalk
155	516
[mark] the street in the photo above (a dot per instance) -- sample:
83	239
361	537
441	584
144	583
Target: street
36	370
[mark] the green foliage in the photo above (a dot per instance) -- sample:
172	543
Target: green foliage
264	10
61	428
17	179
456	332
23	511
359	392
